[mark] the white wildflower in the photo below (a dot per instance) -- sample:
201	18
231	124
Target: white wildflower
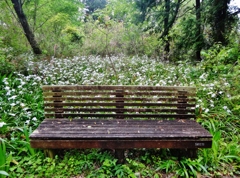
207	110
12	104
202	76
6	82
225	107
2	124
13	97
38	78
25	109
34	119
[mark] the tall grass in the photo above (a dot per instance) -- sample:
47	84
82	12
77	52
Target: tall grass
4	160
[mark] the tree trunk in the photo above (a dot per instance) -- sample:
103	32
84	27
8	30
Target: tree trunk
27	31
166	27
198	31
220	17
169	19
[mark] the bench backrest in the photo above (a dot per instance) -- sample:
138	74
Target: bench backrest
119	102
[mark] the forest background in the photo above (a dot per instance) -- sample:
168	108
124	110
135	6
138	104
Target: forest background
131	42
175	30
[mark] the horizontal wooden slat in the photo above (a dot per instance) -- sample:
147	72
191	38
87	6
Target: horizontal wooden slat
130	110
118	99
66	115
120	122
118	87
86	132
109	129
120	104
114	94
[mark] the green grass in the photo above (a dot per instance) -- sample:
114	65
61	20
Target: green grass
21	111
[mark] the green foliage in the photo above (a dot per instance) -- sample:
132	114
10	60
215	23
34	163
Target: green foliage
234	103
217	14
108	37
6	67
47	20
72	163
93	5
58	22
184	39
63	29
73	34
12	40
122	11
219	55
162	16
217	103
221	152
5	159
59	28
143	6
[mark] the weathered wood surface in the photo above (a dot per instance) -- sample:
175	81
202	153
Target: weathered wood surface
119	101
121	144
119	117
119	129
120	134
119	87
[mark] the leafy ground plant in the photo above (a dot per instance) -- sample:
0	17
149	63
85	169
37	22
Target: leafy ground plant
21	110
5	160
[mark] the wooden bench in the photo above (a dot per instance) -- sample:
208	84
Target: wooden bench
119	118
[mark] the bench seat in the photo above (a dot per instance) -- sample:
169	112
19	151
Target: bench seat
120	134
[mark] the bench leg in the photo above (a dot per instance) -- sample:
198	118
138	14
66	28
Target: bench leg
49	153
188	153
192	153
119	154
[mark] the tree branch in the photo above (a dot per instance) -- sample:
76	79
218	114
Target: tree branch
236	13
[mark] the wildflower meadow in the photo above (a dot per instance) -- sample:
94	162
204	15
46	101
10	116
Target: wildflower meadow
218	110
